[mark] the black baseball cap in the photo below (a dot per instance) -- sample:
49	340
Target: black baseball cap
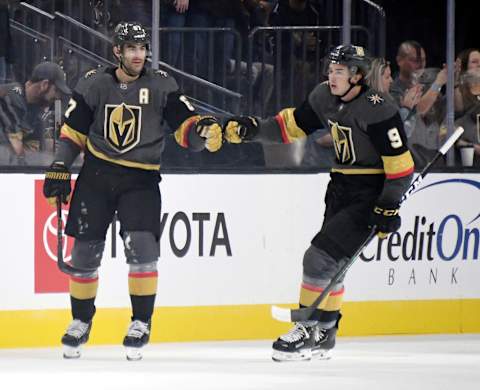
51	72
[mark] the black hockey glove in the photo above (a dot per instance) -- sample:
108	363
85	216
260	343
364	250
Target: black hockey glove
386	219
210	129
238	129
57	183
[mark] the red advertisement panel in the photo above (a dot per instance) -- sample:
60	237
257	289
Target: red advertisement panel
48	278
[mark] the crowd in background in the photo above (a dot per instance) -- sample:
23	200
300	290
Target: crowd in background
27	121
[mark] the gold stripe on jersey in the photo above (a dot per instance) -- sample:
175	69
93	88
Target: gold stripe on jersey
398	166
73	135
288	126
181	134
83	288
125	163
359	171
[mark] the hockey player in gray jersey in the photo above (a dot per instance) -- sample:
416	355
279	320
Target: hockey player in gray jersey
372	170
118	117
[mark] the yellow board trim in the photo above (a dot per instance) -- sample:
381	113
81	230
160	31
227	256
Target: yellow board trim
125	163
43	328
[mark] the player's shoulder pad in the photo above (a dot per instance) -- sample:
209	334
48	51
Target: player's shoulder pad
377	106
91	78
96	73
319	93
163	80
161	73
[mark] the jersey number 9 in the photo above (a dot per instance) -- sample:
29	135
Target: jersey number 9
394	137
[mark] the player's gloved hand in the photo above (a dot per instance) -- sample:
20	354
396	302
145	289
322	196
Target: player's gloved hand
57	183
386	219
209	128
238	129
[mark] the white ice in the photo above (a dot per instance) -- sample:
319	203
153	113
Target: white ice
384	363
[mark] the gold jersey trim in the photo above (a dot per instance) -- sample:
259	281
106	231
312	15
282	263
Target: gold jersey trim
395	165
181	134
74	135
125	163
288	126
359	171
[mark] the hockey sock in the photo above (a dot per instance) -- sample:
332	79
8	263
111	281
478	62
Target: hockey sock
328	311
142	287
82	297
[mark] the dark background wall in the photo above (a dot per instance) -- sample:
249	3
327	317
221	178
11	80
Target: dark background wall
425	22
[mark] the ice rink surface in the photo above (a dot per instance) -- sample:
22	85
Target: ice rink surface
386	363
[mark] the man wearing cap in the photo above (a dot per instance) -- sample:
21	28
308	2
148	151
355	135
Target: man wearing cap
21	110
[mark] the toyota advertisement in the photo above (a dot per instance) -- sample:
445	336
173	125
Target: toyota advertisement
217	248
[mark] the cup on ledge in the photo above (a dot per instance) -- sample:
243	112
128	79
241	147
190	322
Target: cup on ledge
466	154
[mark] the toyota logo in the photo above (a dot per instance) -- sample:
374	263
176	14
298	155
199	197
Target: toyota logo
50	236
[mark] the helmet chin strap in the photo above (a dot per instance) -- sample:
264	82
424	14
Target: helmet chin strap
350	88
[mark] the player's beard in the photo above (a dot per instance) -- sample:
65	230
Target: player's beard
130	70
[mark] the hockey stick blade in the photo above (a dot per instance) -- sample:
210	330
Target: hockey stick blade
61	264
304	313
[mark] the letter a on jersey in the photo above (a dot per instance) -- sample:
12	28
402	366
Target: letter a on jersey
122	126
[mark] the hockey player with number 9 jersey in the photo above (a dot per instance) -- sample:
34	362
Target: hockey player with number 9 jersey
372	170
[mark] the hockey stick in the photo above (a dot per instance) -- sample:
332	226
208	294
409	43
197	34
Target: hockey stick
62	265
304	313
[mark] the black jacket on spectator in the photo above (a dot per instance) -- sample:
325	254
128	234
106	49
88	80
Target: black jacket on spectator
6	46
283	15
221	8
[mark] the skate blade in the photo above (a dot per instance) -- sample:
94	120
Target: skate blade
71	352
322	354
279	356
134	354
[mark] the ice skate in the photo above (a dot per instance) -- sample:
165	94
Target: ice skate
137	337
305	341
76	335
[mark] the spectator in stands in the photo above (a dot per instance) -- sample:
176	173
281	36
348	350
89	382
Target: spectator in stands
380	78
6	48
304	45
22	109
467	89
173	13
470	116
215	13
425	138
261	73
120	10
